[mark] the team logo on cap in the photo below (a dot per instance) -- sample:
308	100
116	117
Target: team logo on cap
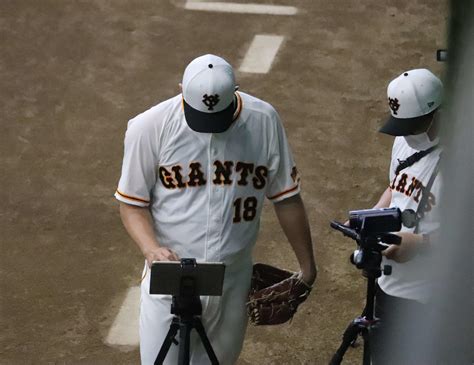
210	101
394	105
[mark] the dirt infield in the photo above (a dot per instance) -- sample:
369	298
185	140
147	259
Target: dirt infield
74	72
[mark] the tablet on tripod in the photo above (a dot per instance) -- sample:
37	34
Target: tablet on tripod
186	281
167	277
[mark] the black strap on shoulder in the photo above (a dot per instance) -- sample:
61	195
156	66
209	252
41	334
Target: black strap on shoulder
417	156
420	211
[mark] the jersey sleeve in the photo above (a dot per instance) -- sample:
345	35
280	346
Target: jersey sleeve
283	177
139	164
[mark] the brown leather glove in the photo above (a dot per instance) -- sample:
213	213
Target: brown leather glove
275	295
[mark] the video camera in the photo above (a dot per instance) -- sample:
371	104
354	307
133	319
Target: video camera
375	220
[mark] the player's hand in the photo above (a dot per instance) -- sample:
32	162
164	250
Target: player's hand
160	254
406	250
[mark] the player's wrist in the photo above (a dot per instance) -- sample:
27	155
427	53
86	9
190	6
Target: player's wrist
150	249
309	276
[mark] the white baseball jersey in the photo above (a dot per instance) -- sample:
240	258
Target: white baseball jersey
205	192
409	279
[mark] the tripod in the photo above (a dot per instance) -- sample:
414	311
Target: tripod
187	309
362	325
369	259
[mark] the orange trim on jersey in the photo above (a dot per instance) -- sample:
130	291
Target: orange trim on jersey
284	192
132	197
239	106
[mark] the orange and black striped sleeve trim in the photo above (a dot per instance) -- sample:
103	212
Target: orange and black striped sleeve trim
239	107
284	192
132	197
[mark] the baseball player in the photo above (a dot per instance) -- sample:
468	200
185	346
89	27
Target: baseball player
414	99
196	170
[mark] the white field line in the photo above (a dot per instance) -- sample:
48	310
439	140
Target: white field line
124	330
261	53
240	8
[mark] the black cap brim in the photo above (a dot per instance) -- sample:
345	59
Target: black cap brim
208	122
404	126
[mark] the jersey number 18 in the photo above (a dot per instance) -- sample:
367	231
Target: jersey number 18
247	210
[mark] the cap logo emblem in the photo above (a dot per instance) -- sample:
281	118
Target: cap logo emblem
394	105
430	104
210	101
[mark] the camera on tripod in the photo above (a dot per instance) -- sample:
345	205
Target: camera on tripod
371	228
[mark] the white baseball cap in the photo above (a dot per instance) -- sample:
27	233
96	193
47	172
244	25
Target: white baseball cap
208	94
412	97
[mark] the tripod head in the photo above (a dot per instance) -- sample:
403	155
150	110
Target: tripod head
187	303
368	256
369	228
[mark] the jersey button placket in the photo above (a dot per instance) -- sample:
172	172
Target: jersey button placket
214	202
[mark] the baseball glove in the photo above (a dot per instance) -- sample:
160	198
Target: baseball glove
275	295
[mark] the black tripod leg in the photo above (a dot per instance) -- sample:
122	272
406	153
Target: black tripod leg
167	342
205	341
366	356
184	342
349	336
